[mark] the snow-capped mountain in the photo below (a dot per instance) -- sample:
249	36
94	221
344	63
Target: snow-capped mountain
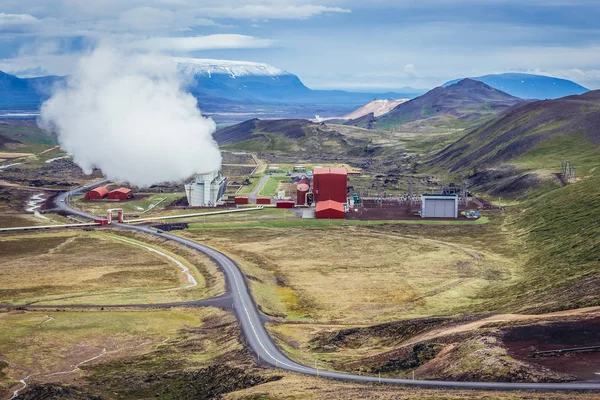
259	83
199	66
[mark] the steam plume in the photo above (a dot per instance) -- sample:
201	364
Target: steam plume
127	115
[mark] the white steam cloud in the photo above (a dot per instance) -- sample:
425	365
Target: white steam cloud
128	116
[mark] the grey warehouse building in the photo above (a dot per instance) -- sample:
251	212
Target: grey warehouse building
439	206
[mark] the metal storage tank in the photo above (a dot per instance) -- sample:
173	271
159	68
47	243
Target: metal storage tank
301	192
330	209
97	194
304	180
330	184
439	206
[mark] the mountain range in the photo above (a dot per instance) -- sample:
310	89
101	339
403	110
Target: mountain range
222	88
528	86
231	91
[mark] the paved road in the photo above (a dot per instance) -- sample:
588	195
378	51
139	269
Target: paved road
254	194
261	342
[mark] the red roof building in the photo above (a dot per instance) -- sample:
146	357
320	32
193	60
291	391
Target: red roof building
120	194
97	194
330	184
330	209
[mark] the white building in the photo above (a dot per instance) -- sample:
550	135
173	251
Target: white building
206	189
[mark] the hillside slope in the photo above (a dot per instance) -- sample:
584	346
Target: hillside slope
462	104
375	107
528	86
296	135
535	135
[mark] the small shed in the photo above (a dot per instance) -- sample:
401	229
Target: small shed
439	206
121	193
330	209
286	204
263	200
241	200
97	194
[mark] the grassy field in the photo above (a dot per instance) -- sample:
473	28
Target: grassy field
274	218
271	186
325	274
95	268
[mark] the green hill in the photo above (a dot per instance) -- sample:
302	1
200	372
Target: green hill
462	104
535	136
553	224
296	135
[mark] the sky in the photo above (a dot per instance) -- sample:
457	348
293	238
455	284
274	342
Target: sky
360	45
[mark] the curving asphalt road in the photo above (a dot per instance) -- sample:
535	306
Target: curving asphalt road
261	342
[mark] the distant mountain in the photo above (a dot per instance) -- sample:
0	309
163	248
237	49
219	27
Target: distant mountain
25	93
462	104
528	86
229	91
537	135
259	83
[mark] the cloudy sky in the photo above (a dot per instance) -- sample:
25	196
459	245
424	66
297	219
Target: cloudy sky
345	44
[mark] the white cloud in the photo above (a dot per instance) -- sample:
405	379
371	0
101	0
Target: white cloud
197	43
410	70
17	22
257	11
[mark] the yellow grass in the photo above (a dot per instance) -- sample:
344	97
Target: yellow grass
95	268
12	156
350	275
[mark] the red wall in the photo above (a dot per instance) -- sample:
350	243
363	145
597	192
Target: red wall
263	200
330	187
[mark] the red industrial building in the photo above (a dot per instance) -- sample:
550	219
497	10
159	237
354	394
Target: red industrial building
330	183
330	209
97	194
285	204
121	193
241	200
263	200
